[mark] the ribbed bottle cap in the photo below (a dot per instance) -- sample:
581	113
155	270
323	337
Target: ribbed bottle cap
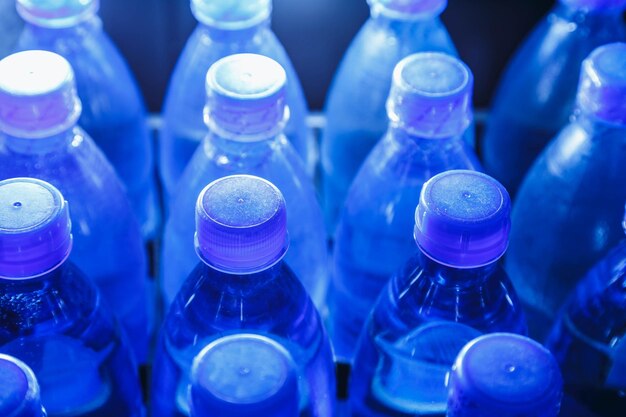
463	219
602	87
241	224
56	13
246	97
504	375
231	14
35	230
616	5
431	95
244	375
37	95
408	9
19	390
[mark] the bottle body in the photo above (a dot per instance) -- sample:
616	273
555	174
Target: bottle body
374	236
537	93
566	216
113	112
422	319
108	244
57	325
184	128
212	304
355	108
273	159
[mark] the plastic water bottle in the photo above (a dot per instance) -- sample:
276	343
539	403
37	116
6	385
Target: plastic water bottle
589	339
355	106
429	110
245	114
449	293
52	315
113	109
537	93
225	27
39	138
241	283
244	375
504	375
19	390
10	27
569	208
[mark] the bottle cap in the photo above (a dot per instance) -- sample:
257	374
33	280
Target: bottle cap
431	95
35	230
56	13
37	95
408	9
231	14
463	219
244	375
19	390
602	87
246	97
616	5
241	224
504	375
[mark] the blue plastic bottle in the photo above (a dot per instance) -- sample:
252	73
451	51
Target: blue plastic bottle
19	390
504	375
537	93
244	375
589	339
39	138
429	110
113	109
225	28
241	283
246	113
52	316
568	210
355	107
450	292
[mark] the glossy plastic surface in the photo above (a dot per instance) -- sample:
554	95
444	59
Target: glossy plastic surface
19	391
537	92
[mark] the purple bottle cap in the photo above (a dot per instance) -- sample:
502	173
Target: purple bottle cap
246	97
19	390
602	87
241	224
37	95
431	95
231	14
35	229
615	5
244	375
56	13
504	375
463	219
408	9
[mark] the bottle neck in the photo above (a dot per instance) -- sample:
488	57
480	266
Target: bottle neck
54	143
257	276
402	133
231	35
449	276
45	34
384	13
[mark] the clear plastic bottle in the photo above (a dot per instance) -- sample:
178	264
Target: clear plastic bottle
226	27
245	114
52	316
244	375
429	110
537	93
241	283
39	138
569	207
355	107
113	110
589	339
504	375
19	391
449	293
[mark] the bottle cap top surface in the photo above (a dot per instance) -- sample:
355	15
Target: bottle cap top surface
431	95
19	391
231	14
408	9
241	224
463	219
35	229
56	13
